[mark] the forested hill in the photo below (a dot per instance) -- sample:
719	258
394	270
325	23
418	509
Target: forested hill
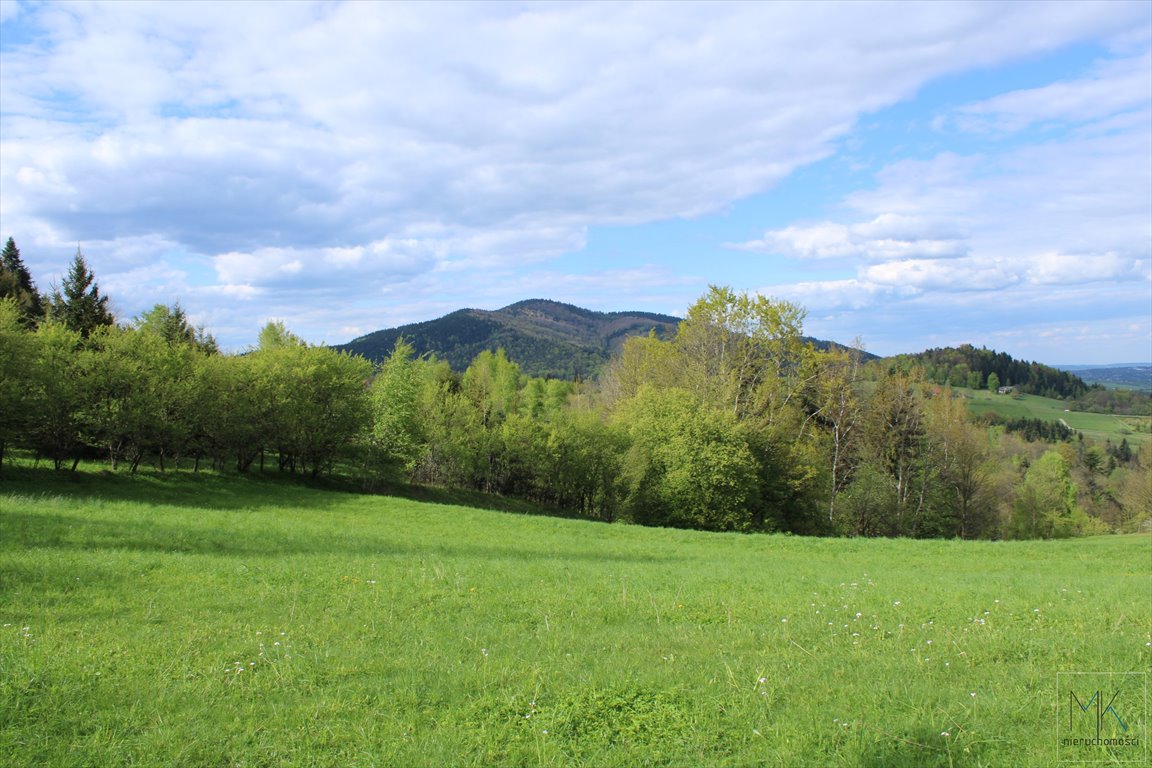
546	338
967	366
1137	376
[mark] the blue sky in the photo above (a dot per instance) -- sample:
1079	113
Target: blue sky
915	175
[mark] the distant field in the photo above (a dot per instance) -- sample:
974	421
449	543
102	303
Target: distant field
208	621
1097	426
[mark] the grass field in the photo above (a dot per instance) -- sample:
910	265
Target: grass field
1096	426
217	621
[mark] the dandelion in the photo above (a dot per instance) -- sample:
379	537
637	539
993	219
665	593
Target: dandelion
945	734
762	680
973	694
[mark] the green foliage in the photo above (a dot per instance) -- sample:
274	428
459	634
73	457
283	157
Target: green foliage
320	402
738	423
58	394
18	353
16	285
275	335
688	466
172	325
79	305
397	436
1046	505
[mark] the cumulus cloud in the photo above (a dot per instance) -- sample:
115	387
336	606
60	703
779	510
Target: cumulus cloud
314	148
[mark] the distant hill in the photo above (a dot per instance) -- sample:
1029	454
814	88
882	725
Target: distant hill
1120	376
968	366
545	338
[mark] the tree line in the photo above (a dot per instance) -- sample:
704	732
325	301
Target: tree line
967	366
736	423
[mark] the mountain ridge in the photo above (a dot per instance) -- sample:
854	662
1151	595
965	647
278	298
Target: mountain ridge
546	338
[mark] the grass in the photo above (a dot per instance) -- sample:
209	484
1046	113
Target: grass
1096	426
187	620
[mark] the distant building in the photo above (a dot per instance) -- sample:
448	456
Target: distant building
1005	390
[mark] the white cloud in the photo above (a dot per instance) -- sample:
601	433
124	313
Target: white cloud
888	236
315	148
1115	87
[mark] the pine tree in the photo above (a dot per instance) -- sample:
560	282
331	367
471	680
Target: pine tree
80	306
16	283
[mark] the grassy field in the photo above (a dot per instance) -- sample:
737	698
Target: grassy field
214	621
1096	426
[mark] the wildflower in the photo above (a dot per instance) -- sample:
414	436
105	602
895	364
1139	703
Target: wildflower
973	694
945	734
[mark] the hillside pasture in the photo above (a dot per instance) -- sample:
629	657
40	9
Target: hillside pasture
195	620
1095	426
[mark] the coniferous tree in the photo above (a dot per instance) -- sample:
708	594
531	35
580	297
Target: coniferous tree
16	284
79	306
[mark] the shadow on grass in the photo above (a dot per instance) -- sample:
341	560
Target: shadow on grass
252	490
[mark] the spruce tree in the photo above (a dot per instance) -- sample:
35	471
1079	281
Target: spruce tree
80	306
16	283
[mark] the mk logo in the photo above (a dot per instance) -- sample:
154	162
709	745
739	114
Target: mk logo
1107	717
1102	710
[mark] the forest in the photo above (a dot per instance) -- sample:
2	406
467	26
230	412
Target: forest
735	423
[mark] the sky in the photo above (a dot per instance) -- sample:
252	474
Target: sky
914	175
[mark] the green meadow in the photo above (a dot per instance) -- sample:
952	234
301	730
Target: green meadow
205	620
1095	426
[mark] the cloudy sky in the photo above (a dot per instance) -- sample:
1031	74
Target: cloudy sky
915	175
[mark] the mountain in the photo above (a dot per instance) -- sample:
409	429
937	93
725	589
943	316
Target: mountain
1120	376
545	338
